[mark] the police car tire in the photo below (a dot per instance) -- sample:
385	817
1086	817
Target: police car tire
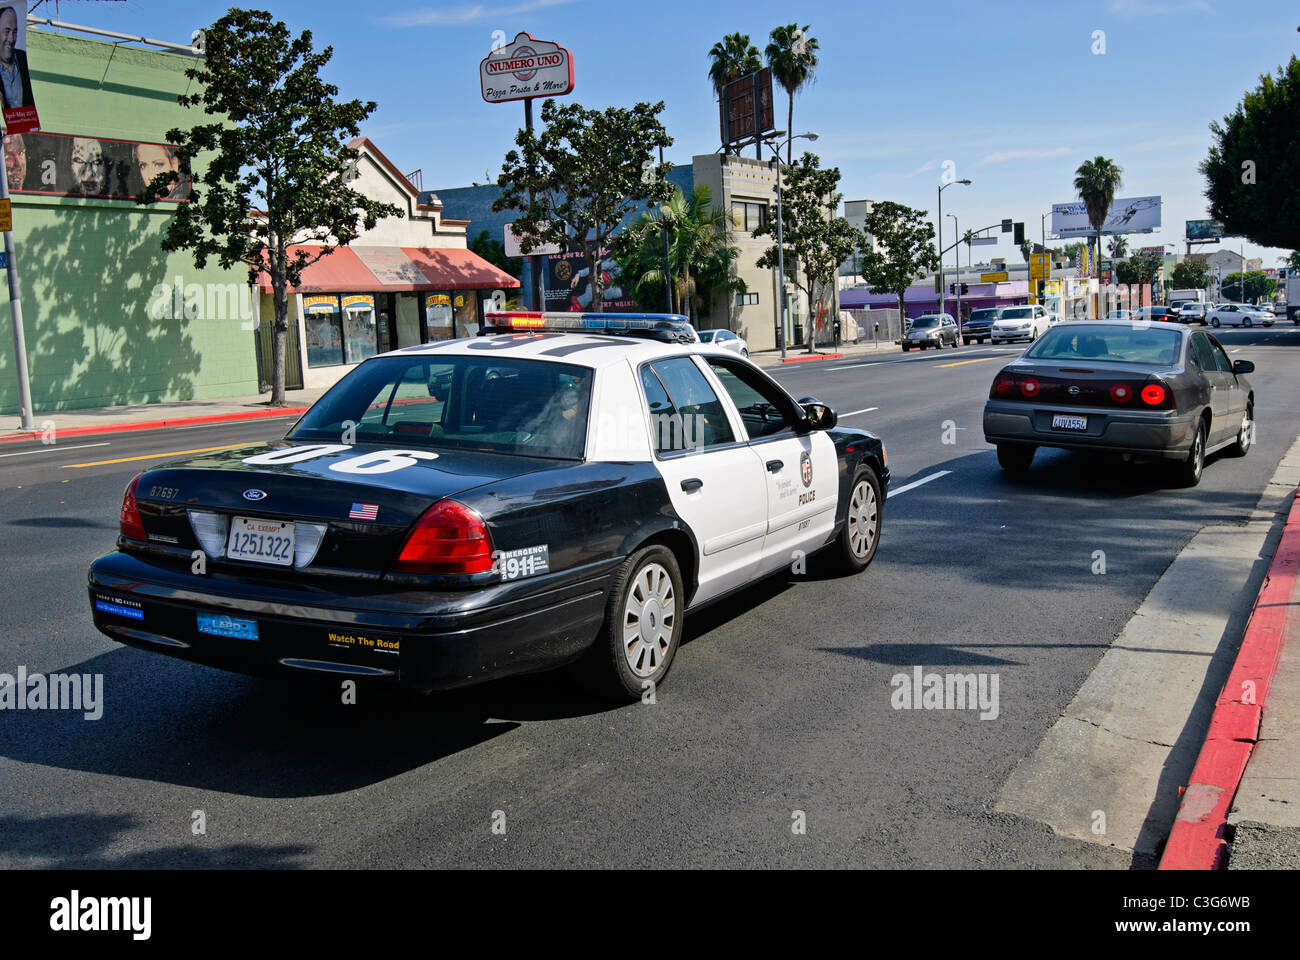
847	559
607	672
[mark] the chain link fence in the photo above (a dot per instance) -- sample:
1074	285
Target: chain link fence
871	326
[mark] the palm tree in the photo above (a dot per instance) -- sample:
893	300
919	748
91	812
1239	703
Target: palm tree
732	57
1095	182
792	55
1118	247
701	253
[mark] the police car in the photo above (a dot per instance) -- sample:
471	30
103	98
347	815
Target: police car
561	488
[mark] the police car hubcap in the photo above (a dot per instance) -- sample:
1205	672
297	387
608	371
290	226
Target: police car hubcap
648	619
863	518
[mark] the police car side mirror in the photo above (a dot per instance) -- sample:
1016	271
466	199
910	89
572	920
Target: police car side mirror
1243	366
818	416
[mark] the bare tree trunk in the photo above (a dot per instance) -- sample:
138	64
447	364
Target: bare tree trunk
789	132
280	331
596	281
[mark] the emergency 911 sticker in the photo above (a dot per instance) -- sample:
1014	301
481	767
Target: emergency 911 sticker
525	562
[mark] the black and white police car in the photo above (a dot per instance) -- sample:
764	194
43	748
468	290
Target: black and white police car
563	488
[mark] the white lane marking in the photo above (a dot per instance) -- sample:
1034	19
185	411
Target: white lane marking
854	413
54	448
916	483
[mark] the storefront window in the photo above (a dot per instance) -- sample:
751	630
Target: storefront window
360	339
438	316
324	336
466	307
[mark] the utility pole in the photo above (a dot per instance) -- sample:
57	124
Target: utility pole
16	314
668	264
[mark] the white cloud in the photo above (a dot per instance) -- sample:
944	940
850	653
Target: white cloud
1006	155
467	13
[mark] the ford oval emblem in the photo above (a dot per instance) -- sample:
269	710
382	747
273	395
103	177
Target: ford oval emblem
254	494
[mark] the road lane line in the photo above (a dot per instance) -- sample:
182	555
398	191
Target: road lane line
53	448
155	456
916	483
854	413
963	362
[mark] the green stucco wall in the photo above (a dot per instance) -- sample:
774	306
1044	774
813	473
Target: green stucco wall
88	269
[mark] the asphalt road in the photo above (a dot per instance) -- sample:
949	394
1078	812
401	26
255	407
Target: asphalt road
778	710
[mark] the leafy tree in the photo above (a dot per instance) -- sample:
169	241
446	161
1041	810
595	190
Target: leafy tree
1095	182
1292	261
587	170
792	55
1070	250
1253	165
1258	287
278	140
1190	275
904	248
818	240
494	252
701	255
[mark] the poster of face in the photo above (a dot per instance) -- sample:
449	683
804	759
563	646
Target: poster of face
15	81
69	166
568	285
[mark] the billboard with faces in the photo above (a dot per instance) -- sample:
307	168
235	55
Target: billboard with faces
15	80
65	165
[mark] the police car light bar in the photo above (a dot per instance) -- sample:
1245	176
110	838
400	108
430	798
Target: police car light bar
658	326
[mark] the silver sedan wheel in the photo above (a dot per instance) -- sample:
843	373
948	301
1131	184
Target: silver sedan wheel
649	615
864	520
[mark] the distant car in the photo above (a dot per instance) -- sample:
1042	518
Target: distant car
980	325
1192	311
1159	314
726	340
1120	315
1269	308
931	330
1021	323
1159	390
1239	315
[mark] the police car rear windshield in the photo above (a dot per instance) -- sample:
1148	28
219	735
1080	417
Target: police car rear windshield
492	404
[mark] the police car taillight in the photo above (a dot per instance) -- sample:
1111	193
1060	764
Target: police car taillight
448	538
132	524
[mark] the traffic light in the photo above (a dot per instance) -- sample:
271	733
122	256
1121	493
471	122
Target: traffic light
965	289
1006	225
1019	236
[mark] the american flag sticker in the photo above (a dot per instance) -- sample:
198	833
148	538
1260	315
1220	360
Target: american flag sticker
363	511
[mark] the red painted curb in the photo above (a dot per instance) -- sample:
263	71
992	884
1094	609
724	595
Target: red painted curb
157	424
815	356
1197	840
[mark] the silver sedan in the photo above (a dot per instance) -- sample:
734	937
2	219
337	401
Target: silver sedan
726	340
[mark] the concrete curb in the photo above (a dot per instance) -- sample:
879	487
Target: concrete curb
159	424
1197	841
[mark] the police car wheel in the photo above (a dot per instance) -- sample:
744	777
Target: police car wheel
861	534
643	626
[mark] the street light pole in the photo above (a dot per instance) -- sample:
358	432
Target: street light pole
942	188
780	225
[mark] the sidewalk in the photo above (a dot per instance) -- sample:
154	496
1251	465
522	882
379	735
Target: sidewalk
1241	807
798	353
152	416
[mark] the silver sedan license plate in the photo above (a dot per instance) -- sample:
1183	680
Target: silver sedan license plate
261	541
1061	421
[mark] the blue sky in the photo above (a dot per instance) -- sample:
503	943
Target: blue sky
1011	93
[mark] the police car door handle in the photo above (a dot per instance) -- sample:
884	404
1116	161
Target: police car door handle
774	465
694	483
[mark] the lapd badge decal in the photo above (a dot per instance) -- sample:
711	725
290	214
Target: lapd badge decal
805	468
